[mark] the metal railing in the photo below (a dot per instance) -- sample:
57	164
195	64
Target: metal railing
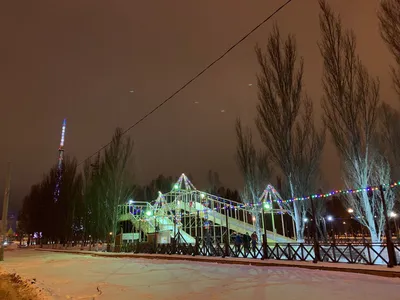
368	254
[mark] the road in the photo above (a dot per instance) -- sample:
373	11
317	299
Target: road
70	276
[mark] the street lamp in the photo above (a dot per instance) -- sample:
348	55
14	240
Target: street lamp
330	219
393	216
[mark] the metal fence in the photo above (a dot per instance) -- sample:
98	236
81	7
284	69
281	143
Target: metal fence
367	253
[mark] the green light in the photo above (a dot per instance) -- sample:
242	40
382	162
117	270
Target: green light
267	206
202	195
176	187
149	213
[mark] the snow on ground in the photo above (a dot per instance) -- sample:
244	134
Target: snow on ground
85	277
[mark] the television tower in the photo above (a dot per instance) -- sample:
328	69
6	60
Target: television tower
60	161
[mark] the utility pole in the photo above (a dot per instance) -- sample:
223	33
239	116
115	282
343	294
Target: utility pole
5	211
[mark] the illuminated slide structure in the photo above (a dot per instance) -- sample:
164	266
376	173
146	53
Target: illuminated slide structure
196	214
60	161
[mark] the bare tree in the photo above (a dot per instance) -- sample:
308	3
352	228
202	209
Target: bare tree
255	169
389	132
214	183
285	121
116	177
389	17
350	103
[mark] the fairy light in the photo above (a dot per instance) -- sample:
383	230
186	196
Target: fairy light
223	204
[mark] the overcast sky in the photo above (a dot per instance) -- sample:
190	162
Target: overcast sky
80	59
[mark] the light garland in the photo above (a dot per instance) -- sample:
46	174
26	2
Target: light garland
222	205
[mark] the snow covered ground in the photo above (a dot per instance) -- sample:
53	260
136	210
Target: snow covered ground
70	276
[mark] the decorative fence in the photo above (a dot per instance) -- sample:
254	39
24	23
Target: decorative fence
369	254
353	253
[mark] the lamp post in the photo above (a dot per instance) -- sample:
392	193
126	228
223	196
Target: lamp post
330	220
308	228
265	206
393	216
5	213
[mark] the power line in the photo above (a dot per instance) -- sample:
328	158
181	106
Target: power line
195	77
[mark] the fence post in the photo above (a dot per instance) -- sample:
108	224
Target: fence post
227	237
265	247
196	246
265	237
388	232
315	233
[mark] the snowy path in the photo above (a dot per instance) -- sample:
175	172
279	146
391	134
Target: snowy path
86	277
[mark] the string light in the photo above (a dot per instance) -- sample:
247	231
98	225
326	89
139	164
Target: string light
269	191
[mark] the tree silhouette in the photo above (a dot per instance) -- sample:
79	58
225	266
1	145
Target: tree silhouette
350	103
286	122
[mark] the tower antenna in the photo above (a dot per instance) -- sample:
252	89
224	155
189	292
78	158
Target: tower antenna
60	161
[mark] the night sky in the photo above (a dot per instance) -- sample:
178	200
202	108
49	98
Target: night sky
80	59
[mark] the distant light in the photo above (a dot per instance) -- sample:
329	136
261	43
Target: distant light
130	201
196	102
202	195
305	220
344	223
110	233
267	206
131	91
250	84
350	210
329	218
222	110
149	213
392	214
254	218
176	187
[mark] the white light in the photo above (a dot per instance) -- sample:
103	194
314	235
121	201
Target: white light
392	214
305	220
329	218
350	210
130	201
